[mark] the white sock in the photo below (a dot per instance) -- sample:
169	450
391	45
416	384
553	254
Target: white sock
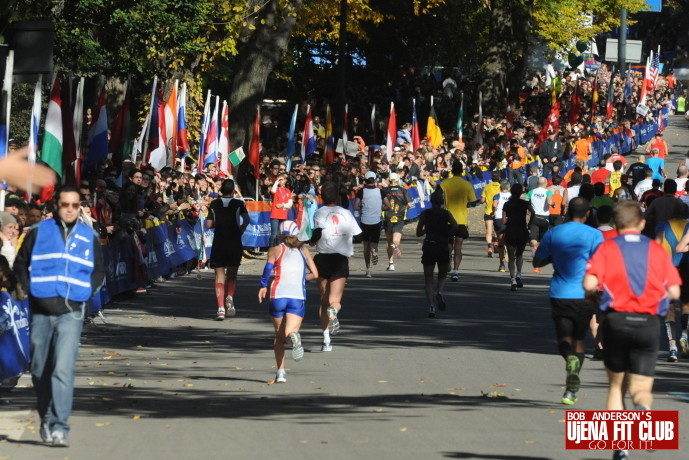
519	275
326	336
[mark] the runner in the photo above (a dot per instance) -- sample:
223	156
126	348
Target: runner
396	202
230	218
369	201
556	216
568	247
516	233
489	192
437	224
287	292
638	279
458	194
335	227
541	200
499	201
672	235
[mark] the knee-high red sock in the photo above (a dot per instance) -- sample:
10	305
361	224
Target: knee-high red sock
230	285
220	294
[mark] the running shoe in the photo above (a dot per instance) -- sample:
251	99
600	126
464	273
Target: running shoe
397	252
440	301
297	348
673	357
141	290
229	307
374	256
431	311
220	315
59	439
368	273
573	381
569	398
501	268
490	250
684	346
333	322
281	377
518	280
598	354
537	270
454	275
620	455
45	433
326	347
391	267
513	286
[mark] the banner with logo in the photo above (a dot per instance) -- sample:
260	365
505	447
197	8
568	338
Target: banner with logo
15	344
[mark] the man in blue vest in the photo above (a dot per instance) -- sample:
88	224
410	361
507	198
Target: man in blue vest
60	265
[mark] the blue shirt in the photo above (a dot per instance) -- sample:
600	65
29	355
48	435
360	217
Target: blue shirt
569	246
655	163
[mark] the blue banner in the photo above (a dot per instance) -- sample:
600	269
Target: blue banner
15	344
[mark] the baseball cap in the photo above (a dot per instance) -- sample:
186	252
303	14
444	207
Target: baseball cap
370	175
394	177
289	227
659	133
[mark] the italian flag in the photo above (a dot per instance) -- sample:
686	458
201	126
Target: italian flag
51	151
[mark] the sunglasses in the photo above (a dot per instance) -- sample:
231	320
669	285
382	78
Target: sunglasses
67	205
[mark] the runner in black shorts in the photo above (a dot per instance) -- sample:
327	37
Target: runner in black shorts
437	224
369	202
639	277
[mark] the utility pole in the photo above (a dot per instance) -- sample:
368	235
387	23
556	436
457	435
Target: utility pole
342	70
622	43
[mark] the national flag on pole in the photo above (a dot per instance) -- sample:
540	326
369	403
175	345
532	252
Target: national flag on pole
157	157
509	117
345	124
653	71
5	105
392	132
329	156
51	150
254	150
432	129
479	126
141	143
224	141
574	106
236	156
551	124
415	135
123	132
71	157
171	114
308	139
611	96
211	140
289	151
98	134
35	121
460	119
182	139
205	123
78	119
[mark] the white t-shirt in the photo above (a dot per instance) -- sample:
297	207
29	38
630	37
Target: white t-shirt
681	182
502	198
642	187
339	227
539	201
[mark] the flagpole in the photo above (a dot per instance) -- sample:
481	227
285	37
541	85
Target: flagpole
144	147
7	85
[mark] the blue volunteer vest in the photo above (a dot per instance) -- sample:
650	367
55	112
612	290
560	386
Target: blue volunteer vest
62	269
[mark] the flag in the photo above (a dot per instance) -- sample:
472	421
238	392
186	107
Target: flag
236	156
289	151
98	134
415	136
51	149
479	125
308	139
71	158
509	117
122	134
304	218
611	96
35	121
432	129
392	132
142	141
345	123
254	151
211	139
555	89
157	156
329	156
551	124
653	71
205	122
78	118
574	106
460	119
182	140
171	114
5	105
373	123
594	96
224	140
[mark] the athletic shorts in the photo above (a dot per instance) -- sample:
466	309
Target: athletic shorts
499	227
631	342
394	227
370	232
278	307
332	266
537	228
684	288
488	217
462	232
435	253
576	312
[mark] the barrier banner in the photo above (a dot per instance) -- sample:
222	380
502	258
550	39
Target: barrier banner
184	242
257	233
15	344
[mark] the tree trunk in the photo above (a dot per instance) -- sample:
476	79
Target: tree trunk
256	59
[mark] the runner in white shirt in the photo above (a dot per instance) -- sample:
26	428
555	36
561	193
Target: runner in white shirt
369	201
335	227
499	201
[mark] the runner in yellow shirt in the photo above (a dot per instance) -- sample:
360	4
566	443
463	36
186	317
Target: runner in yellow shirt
489	191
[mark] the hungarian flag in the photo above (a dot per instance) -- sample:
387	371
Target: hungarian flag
574	106
171	114
329	156
182	139
415	136
611	96
71	157
51	150
254	150
123	131
392	132
509	117
224	141
551	124
433	130
236	156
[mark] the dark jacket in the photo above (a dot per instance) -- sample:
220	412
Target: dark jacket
55	305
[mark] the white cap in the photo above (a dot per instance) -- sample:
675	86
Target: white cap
394	177
370	175
397	149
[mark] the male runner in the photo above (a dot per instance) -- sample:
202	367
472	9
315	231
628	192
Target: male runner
396	202
499	201
489	192
369	201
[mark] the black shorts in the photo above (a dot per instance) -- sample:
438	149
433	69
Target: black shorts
394	227
631	342
370	232
499	226
461	232
574	314
435	253
488	217
537	228
332	266
684	288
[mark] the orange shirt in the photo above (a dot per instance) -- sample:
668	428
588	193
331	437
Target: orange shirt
581	147
661	145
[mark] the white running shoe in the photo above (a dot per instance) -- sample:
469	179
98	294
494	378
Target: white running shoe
391	267
281	377
368	273
297	348
229	306
220	315
326	347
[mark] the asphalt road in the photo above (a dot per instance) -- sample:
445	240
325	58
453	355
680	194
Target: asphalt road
483	380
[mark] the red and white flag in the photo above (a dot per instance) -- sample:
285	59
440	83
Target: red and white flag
392	132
